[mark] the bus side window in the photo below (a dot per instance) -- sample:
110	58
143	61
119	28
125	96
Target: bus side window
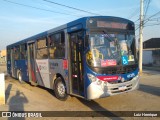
42	49
16	52
57	45
8	54
23	51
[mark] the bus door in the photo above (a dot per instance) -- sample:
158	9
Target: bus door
13	69
76	49
31	63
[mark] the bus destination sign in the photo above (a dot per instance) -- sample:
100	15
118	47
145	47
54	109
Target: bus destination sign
111	25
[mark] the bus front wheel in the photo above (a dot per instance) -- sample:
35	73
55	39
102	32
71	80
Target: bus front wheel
60	89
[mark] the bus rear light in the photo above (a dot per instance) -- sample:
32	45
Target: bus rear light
108	78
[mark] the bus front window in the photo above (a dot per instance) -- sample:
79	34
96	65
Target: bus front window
110	49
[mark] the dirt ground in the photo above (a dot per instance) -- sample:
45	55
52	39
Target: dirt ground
24	97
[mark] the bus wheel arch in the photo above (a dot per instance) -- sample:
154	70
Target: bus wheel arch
60	88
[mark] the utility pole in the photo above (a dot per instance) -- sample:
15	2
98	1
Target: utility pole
141	36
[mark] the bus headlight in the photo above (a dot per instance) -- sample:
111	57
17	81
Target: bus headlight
91	77
94	79
99	82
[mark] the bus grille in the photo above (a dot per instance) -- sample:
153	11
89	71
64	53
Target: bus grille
118	81
116	69
116	89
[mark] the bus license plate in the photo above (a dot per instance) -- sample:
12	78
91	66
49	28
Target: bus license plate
122	88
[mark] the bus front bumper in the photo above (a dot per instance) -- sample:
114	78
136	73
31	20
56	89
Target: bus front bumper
95	91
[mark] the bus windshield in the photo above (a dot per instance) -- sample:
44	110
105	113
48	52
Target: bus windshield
111	49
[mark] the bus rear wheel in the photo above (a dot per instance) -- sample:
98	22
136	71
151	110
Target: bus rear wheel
60	89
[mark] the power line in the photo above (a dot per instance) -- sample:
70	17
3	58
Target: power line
70	7
40	8
154	19
148	19
152	24
152	16
136	20
134	13
146	10
149	1
149	25
145	5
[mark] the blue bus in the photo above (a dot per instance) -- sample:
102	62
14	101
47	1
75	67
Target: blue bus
91	57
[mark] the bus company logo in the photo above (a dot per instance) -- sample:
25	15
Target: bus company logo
21	114
131	75
6	114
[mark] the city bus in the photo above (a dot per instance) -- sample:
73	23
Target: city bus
91	57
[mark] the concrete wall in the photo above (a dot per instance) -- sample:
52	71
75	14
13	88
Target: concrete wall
147	57
151	57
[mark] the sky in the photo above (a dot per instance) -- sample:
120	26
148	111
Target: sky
18	22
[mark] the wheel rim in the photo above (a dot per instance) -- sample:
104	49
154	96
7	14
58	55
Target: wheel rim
19	77
61	89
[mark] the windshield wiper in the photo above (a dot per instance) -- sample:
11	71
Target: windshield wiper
108	35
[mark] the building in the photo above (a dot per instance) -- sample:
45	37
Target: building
151	52
2	56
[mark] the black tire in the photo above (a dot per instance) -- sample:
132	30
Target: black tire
60	89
